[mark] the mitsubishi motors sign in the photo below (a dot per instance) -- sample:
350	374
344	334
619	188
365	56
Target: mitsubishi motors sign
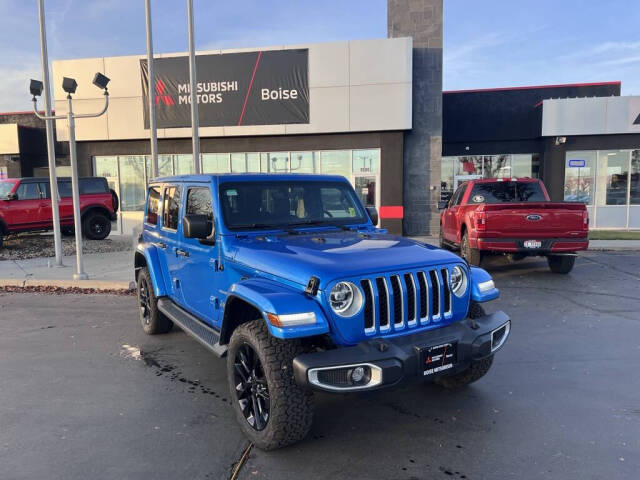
250	88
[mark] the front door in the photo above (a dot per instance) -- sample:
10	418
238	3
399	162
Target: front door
199	272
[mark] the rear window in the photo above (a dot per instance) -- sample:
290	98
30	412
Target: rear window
90	186
506	192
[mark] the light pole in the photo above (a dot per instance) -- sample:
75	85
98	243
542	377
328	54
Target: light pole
51	154
69	85
152	92
195	136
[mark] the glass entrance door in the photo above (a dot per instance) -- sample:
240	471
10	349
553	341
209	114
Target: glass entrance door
107	167
366	187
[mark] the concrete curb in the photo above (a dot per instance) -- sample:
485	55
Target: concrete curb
82	284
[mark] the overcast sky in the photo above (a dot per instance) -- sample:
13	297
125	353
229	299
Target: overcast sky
489	43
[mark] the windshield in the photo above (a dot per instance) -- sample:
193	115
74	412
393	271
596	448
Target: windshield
5	188
506	192
284	204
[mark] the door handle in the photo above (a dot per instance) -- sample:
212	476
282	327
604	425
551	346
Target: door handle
160	245
182	252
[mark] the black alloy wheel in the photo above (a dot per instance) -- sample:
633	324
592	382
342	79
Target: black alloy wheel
252	390
98	226
145	301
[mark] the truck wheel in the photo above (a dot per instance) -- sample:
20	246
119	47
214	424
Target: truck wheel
272	410
96	226
471	255
443	244
474	372
151	319
561	263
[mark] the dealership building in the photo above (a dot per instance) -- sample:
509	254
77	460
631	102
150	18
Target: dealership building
371	110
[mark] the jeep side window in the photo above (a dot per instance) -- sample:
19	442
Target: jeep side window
28	191
171	208
199	202
153	206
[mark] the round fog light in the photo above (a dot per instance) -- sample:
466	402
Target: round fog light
357	374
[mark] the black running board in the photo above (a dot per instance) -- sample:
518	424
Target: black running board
206	335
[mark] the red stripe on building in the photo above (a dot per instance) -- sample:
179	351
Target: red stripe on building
392	212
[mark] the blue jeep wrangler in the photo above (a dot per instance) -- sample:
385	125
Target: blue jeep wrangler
288	277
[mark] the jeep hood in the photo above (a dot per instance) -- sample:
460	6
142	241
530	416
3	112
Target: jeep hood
331	256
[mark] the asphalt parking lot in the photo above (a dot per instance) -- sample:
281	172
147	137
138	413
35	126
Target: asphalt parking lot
85	394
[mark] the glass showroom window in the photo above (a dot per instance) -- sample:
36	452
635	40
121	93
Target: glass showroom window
469	165
245	162
215	163
183	164
132	182
446	178
165	165
579	176
336	162
612	177
634	180
305	162
366	161
497	166
275	162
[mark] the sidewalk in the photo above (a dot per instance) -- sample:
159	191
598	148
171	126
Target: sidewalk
107	271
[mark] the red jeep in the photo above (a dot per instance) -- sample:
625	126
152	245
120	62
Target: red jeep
25	206
513	217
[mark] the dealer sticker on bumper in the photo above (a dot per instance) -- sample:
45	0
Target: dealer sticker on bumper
439	358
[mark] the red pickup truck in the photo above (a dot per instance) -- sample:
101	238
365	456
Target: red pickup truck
514	217
25	205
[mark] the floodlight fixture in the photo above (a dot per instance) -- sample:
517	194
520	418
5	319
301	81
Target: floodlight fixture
69	85
36	87
101	81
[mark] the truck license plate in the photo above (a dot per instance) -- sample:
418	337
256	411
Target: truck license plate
439	358
532	244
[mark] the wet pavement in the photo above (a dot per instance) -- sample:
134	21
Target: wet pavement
85	394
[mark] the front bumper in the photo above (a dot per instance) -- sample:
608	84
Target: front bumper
391	361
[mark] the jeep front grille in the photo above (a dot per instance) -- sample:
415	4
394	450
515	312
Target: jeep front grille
397	301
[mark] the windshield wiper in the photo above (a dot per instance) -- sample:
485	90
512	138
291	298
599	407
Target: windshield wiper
318	223
270	226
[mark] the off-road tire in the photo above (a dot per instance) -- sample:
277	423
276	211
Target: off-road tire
475	310
561	263
478	369
90	224
475	371
291	406
471	255
156	322
68	231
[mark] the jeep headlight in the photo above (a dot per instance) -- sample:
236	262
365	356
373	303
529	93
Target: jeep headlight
345	299
458	281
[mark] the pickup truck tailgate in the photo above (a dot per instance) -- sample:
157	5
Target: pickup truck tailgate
531	220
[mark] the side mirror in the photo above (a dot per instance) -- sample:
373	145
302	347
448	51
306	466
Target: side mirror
442	205
373	214
197	226
11	196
